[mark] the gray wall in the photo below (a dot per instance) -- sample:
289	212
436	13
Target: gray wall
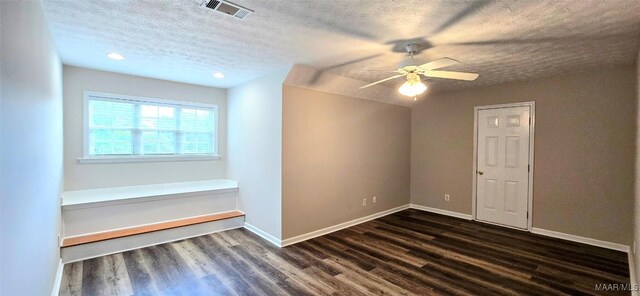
584	150
255	150
31	145
86	176
336	151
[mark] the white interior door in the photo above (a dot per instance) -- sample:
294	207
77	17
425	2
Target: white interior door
502	167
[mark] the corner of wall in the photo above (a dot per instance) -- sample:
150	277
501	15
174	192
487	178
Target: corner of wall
254	149
31	109
337	151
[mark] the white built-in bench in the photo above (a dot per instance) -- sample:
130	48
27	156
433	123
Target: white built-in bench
80	198
108	220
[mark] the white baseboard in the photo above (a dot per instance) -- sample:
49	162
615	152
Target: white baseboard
582	239
58	279
441	211
632	274
560	235
263	234
555	234
330	229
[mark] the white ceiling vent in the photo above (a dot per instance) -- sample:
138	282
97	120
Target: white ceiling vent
226	7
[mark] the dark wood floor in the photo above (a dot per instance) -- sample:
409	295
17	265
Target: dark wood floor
410	252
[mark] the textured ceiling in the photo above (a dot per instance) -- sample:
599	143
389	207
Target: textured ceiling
501	40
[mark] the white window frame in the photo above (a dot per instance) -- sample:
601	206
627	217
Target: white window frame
87	158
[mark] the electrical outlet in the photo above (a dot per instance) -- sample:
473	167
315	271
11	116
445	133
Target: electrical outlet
374	199
364	202
446	197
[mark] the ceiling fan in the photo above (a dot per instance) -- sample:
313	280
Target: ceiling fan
412	68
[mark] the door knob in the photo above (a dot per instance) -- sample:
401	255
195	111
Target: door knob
480	173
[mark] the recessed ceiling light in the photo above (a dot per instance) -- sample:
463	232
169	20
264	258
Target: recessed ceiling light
115	56
218	75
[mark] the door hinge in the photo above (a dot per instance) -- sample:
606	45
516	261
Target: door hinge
528	168
527	215
529	120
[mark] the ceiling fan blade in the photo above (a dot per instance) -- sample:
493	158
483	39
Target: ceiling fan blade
452	75
319	73
362	59
383	71
439	63
473	8
381	81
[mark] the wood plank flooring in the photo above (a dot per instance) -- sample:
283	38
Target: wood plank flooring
407	253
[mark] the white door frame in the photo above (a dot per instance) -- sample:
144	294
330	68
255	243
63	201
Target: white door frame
532	105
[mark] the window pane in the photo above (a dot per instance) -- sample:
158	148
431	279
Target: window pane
157	117
110	114
106	141
158	143
196	120
116	125
195	143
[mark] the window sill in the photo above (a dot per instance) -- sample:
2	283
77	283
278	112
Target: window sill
146	158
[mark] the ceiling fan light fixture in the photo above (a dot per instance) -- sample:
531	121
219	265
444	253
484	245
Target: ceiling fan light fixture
413	86
412	89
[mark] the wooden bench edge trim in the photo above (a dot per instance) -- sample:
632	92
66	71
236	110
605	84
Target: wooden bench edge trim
120	233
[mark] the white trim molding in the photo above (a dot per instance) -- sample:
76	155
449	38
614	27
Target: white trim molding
532	129
57	281
137	154
540	231
442	212
313	234
147	158
263	234
633	280
330	229
582	239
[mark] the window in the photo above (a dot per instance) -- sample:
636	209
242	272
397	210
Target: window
123	128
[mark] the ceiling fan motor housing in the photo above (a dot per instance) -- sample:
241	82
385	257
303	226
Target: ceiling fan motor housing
411	64
413	48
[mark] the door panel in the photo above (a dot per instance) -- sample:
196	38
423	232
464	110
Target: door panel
511	197
490	194
502	166
491	159
512	151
